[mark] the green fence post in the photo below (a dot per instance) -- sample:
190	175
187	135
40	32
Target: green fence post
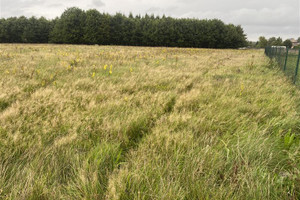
272	52
286	58
296	72
279	57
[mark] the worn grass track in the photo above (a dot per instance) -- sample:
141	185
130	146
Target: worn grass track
98	122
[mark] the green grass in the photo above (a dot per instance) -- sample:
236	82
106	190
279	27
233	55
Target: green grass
167	123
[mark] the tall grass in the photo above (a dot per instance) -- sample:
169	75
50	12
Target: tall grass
161	123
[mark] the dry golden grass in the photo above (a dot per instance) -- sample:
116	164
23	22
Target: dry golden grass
91	122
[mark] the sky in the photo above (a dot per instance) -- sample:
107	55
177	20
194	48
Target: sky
278	18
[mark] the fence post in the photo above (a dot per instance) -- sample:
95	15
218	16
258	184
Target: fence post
286	58
271	52
296	72
279	57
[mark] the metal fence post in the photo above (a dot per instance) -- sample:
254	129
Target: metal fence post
279	57
286	58
271	52
268	51
296	71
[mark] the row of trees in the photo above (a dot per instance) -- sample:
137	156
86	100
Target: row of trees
23	30
263	42
76	26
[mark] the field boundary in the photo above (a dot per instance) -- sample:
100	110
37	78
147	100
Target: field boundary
287	59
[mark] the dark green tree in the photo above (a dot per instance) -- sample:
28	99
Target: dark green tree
278	41
288	43
3	31
14	29
275	41
262	42
36	30
272	41
69	28
96	29
76	26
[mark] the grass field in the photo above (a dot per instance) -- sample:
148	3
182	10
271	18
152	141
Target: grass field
96	122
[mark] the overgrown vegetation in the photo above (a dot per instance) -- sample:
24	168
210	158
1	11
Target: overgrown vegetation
76	26
88	122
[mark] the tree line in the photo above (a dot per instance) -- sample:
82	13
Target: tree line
273	41
76	26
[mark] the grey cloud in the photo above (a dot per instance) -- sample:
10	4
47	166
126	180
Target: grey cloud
154	10
97	3
266	17
286	32
55	5
19	7
229	5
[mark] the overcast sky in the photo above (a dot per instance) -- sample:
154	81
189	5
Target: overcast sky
257	17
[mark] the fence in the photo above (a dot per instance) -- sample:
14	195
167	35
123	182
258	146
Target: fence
287	59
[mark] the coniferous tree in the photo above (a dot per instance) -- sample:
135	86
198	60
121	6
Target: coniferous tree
96	29
76	26
36	30
69	28
4	37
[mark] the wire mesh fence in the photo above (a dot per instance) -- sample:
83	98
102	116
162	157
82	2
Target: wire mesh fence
287	59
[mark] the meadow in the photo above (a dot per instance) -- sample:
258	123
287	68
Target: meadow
110	122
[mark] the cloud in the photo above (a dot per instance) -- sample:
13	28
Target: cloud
97	3
154	10
265	17
18	7
283	21
284	32
55	5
